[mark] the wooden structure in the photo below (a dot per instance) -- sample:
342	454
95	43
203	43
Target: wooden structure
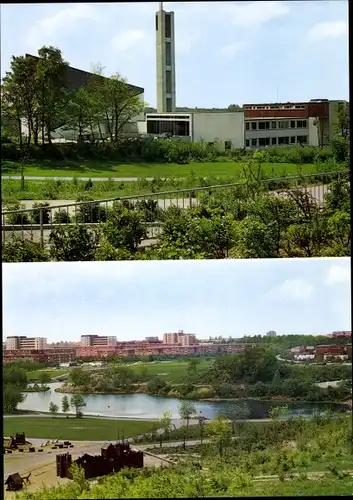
14	482
113	458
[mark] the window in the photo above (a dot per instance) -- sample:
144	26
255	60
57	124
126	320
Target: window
267	141
262	142
247	126
169	105
283	141
168	53
292	124
264	125
228	145
247	143
283	124
274	124
274	141
301	124
253	126
168	82
156	22
254	142
292	140
168	26
302	139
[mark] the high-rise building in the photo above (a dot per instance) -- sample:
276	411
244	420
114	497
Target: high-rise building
16	342
179	338
97	340
165	55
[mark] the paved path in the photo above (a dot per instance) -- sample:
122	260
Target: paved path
84	179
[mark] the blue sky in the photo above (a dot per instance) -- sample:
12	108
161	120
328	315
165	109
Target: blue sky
226	52
131	300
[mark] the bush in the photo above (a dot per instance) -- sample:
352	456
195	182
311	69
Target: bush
16	218
18	250
73	243
38	208
61	216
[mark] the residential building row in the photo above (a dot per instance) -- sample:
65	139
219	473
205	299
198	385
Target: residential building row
68	354
322	352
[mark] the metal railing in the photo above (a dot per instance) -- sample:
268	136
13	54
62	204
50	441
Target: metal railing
36	223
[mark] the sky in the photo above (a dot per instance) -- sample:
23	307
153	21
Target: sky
226	52
132	300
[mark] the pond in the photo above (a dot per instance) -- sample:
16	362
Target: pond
142	406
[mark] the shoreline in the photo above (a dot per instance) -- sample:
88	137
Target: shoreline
274	399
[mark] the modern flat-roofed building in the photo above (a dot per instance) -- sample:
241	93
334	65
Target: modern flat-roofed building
287	124
54	356
226	129
97	340
22	342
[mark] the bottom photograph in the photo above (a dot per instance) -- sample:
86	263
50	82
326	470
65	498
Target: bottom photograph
177	379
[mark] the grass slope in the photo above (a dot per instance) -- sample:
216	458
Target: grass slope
85	429
171	371
113	169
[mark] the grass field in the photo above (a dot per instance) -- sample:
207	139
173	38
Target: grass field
84	429
171	371
33	376
113	169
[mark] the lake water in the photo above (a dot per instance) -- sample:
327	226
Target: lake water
152	407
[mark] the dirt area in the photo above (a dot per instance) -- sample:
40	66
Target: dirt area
42	466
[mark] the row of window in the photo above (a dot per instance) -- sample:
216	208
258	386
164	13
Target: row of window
283	106
276	141
282	124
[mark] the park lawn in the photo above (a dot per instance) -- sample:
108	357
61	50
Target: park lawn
328	485
113	169
34	375
83	429
173	372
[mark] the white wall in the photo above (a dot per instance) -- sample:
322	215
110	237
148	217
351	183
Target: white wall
219	127
313	133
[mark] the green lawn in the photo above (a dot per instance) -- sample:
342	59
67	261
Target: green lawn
84	429
172	371
113	169
33	376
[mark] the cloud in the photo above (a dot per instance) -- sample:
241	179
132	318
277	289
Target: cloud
128	39
255	14
47	29
338	274
293	289
332	29
185	41
230	50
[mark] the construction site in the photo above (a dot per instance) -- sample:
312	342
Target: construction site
31	465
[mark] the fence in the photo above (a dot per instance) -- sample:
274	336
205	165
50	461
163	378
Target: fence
36	223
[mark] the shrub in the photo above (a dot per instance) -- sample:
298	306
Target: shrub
73	243
38	208
18	250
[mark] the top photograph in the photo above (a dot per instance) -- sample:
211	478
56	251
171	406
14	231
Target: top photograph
164	131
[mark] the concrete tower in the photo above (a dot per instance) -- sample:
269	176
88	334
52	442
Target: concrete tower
165	52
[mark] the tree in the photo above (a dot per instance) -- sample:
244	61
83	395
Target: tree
53	408
114	104
219	431
44	378
19	95
78	403
52	95
12	397
79	377
186	410
65	405
165	422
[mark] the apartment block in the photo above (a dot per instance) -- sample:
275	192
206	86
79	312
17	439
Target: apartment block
97	340
17	342
53	356
287	124
342	334
179	338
